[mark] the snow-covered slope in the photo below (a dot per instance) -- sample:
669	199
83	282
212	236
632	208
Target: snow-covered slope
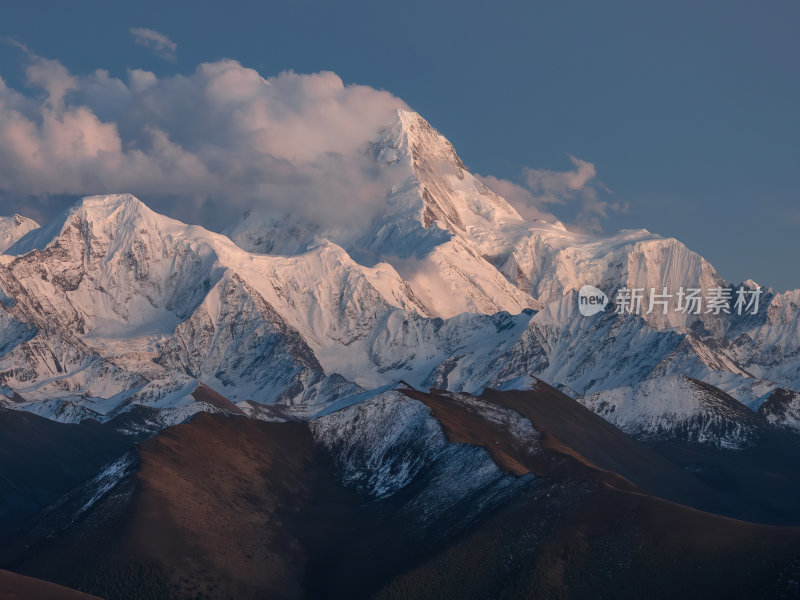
670	407
384	445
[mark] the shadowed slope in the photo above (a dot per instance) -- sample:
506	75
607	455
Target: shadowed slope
19	587
41	459
213	509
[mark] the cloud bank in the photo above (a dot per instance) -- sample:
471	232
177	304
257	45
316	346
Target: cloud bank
208	146
217	142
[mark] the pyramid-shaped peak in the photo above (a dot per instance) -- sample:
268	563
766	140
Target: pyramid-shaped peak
424	142
412	120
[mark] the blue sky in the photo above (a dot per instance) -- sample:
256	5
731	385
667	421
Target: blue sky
688	111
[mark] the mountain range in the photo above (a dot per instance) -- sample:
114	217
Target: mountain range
290	408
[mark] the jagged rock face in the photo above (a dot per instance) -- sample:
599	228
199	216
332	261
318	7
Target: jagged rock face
113	306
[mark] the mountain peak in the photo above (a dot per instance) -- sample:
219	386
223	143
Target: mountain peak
450	196
109	215
112	212
14	228
411	138
110	201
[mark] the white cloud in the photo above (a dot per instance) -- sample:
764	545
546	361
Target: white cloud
557	186
577	189
160	44
207	146
204	147
519	197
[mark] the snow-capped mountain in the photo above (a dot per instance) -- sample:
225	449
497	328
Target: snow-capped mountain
450	238
112	306
435	229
